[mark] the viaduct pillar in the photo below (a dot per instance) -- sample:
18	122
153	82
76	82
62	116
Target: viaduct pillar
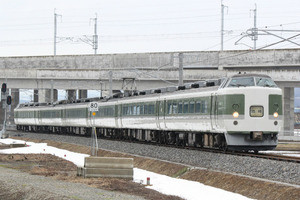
82	94
288	111
44	95
15	95
71	95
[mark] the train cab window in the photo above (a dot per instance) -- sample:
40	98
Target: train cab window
186	107
192	107
241	82
180	107
198	107
264	82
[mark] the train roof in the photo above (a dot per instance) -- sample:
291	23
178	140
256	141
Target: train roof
144	93
173	91
250	75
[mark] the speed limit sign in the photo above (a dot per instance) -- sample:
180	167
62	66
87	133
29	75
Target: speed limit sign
93	106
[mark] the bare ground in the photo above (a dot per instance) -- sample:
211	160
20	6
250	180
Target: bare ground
52	166
65	170
288	146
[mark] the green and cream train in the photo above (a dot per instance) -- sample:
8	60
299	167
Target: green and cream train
243	113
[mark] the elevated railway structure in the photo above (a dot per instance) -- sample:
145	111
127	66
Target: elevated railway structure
149	70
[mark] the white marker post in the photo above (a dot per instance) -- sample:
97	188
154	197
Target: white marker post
94	148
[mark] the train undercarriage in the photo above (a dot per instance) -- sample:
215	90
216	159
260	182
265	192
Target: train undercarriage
175	138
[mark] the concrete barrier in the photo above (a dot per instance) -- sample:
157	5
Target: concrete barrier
14	145
113	167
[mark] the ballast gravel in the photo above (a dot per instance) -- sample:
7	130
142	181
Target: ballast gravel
281	171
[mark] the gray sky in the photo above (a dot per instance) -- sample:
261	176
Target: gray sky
128	26
132	26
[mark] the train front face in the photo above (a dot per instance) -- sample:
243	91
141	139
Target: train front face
254	107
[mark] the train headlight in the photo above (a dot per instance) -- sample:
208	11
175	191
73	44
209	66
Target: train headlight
275	114
235	114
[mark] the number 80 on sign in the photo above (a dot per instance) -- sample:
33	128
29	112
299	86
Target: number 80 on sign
93	107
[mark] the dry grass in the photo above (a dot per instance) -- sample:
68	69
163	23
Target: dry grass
288	147
52	166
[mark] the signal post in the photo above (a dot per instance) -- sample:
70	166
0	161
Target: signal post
6	101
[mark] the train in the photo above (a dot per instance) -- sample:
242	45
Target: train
241	113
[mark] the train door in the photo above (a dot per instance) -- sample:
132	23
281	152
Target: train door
39	114
157	111
118	114
64	116
162	107
214	111
36	117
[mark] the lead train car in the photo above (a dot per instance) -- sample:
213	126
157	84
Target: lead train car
244	113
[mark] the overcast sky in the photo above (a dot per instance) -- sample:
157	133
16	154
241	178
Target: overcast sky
128	26
132	26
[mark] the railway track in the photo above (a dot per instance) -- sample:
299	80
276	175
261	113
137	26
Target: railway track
273	157
244	154
253	155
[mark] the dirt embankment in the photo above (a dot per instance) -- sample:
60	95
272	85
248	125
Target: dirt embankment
251	188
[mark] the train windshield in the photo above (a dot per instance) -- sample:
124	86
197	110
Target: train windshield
264	82
241	82
251	81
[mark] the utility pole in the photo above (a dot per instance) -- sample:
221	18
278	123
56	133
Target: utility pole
95	36
51	92
55	30
110	73
222	24
180	70
254	30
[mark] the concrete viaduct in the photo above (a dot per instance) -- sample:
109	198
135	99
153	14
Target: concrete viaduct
149	70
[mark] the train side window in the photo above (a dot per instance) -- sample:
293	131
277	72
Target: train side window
103	111
204	106
179	107
133	110
169	107
175	108
142	109
186	107
99	114
124	110
151	109
192	107
198	107
130	110
137	110
112	111
146	109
